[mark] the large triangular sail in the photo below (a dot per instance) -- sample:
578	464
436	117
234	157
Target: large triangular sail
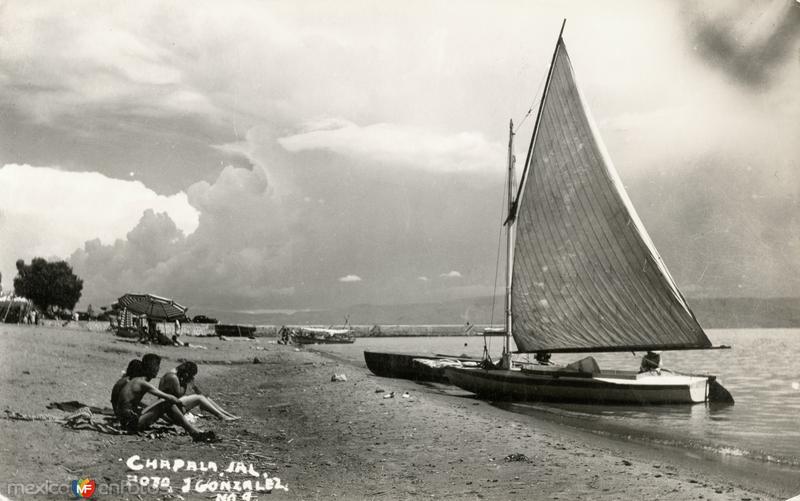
586	276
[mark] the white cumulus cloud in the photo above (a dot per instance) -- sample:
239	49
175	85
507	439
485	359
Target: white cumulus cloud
389	143
49	213
451	274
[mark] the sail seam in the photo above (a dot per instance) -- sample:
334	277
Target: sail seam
582	198
617	259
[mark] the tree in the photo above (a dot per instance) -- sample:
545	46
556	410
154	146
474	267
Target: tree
48	284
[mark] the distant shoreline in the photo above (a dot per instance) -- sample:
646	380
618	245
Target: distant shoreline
711	313
359	331
206	330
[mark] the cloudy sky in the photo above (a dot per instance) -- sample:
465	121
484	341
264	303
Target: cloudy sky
252	156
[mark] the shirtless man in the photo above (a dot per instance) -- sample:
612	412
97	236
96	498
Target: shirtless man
134	370
129	397
177	381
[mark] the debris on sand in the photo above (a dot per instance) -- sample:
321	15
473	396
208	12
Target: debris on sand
389	395
339	377
517	458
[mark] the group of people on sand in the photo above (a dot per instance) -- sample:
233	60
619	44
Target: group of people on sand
149	332
173	401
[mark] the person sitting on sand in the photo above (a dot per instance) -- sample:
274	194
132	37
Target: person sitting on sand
134	370
144	335
162	339
133	420
177	381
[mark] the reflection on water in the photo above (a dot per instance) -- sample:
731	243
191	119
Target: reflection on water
760	372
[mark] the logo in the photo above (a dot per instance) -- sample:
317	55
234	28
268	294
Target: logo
83	488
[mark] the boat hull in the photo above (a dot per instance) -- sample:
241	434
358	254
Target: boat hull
402	366
315	335
127	332
234	330
319	340
410	366
496	384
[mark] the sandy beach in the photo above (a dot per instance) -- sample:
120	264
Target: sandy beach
322	439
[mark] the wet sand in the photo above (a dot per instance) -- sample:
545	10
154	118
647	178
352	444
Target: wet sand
324	439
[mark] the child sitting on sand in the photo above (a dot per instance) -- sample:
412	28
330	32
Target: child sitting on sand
131	393
176	382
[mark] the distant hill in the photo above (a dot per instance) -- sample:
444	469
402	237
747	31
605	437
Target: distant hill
746	312
475	310
711	312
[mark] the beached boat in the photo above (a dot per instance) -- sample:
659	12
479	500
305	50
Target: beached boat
316	335
234	330
582	273
415	367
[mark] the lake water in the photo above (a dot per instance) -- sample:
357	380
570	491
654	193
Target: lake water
760	371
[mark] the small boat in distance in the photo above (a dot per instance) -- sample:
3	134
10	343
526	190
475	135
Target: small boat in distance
315	335
582	273
234	330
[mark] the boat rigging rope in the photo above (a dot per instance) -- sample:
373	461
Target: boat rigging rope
503	204
486	354
534	102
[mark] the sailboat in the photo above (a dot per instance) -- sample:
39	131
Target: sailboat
582	274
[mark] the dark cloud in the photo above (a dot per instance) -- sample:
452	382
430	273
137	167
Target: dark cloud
167	154
287	244
748	43
166	93
283	237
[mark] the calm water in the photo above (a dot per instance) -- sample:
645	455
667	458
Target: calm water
761	372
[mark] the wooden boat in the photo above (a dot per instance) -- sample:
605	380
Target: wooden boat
235	330
126	332
559	384
415	367
315	335
582	274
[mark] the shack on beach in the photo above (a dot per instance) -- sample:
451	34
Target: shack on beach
17	309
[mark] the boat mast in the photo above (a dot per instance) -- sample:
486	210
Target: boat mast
506	360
